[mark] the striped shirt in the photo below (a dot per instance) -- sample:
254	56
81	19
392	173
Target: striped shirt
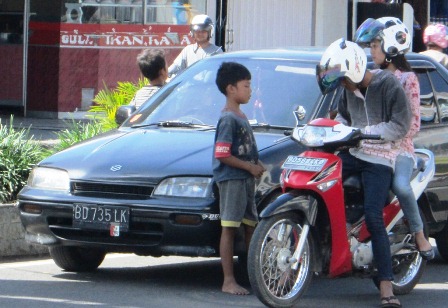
143	94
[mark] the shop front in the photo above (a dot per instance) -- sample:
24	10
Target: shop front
72	49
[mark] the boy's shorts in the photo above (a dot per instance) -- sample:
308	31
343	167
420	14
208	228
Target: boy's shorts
237	202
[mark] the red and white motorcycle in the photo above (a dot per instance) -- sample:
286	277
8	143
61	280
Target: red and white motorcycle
317	225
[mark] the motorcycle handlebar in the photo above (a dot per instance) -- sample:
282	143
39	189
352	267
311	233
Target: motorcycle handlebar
370	137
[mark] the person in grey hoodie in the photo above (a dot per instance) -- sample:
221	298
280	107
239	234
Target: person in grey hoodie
375	102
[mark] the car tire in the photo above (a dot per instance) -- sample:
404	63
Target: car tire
442	242
77	259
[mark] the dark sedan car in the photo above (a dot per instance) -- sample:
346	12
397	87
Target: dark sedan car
147	187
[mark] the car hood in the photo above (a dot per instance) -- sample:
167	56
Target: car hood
143	155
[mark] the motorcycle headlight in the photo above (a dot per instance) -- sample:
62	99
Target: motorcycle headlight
190	187
314	136
49	178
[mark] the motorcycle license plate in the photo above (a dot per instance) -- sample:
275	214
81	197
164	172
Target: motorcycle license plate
304	163
100	217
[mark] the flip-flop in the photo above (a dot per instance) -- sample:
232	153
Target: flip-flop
388	304
428	254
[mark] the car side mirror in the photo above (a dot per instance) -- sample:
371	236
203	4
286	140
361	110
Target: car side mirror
123	113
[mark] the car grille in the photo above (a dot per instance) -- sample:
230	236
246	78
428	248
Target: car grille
113	191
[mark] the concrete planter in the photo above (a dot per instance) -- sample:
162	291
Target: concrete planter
12	235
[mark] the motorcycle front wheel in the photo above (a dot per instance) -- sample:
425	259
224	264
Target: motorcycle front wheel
273	280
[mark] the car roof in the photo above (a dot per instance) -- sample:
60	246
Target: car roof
303	53
315	54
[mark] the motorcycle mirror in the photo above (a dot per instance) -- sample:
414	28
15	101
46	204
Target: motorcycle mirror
299	114
297	133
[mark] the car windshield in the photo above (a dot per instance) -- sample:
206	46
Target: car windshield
193	99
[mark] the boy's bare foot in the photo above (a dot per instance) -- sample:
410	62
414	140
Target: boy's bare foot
234	288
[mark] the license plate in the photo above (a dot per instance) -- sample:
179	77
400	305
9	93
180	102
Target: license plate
304	163
101	217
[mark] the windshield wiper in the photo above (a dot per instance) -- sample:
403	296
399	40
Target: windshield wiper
268	126
144	125
173	123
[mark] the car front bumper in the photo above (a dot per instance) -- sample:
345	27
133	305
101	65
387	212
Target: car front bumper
153	230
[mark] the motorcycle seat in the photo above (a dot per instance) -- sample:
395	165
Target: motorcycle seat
353	184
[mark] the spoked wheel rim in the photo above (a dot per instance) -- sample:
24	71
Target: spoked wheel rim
406	266
278	247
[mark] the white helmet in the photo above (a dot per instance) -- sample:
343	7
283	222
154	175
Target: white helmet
202	22
396	39
391	31
342	59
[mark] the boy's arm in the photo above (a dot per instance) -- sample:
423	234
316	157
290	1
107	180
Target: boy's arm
255	169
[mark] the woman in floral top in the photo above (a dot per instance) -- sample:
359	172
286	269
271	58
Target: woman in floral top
389	41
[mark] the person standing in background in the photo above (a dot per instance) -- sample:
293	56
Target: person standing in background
201	29
435	38
153	66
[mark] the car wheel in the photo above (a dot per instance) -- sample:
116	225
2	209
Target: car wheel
77	259
442	242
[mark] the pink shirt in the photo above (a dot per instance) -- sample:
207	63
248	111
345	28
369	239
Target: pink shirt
412	89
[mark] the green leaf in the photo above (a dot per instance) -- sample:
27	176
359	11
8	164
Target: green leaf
19	152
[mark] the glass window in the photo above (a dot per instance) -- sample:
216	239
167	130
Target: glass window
278	88
169	12
441	94
172	12
428	108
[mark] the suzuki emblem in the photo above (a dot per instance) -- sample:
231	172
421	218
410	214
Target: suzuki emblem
115	168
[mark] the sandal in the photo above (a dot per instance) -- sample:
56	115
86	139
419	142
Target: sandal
388	304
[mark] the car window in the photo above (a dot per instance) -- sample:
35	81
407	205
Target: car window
428	107
440	86
278	88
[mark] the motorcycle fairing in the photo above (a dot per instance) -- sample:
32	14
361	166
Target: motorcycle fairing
303	181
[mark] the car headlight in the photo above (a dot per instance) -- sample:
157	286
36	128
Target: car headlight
190	187
49	178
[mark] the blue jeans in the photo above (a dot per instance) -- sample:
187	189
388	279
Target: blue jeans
376	181
401	186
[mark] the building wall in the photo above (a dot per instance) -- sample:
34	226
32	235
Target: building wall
331	21
70	59
11	80
67	61
255	24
